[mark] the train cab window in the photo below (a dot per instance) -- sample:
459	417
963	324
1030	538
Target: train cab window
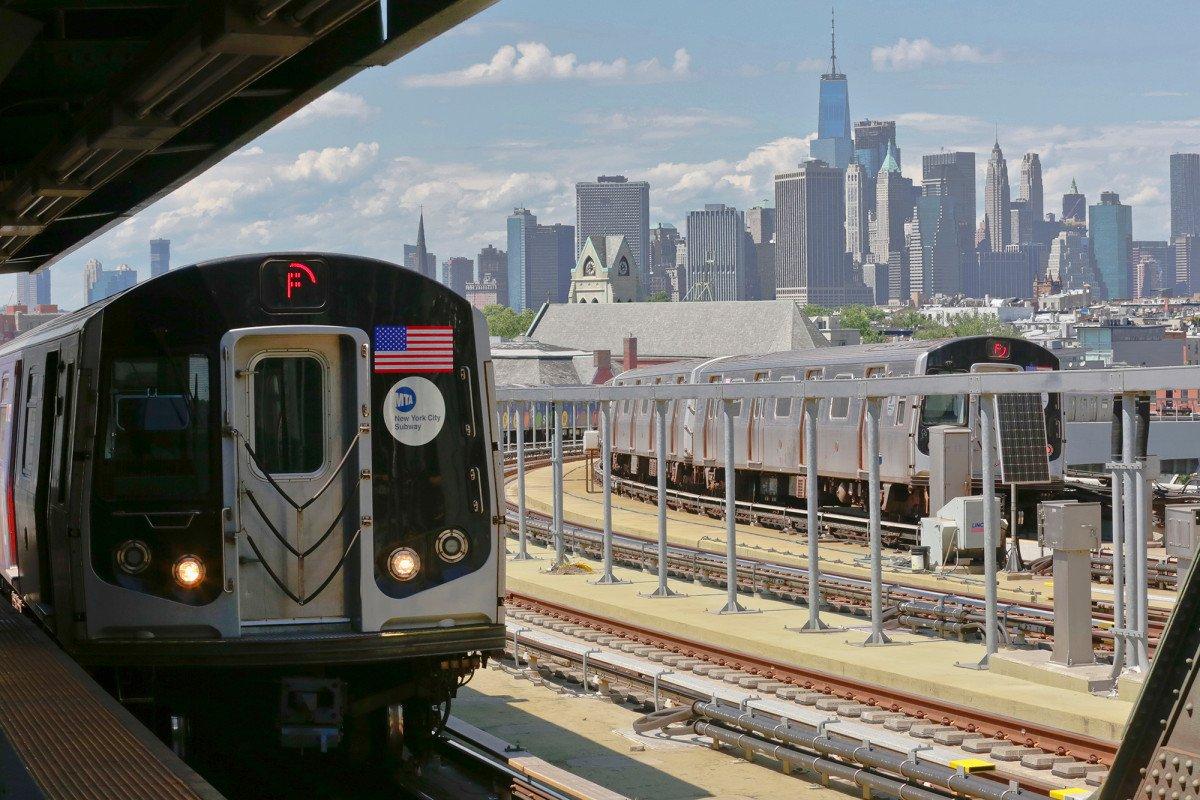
289	414
944	409
839	407
156	435
901	407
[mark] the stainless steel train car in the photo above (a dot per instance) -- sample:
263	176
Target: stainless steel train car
266	480
769	434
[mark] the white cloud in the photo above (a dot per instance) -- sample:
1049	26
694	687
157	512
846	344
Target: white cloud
534	62
331	164
908	54
927	121
657	125
1164	93
258	232
333	105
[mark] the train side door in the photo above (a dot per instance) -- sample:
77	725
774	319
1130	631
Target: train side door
58	498
295	400
32	489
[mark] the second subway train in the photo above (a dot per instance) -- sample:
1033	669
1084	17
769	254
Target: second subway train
769	433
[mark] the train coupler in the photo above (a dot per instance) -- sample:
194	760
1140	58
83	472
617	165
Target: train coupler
311	713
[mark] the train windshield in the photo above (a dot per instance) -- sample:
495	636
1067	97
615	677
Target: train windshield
156	442
944	409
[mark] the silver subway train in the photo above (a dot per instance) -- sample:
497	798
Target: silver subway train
266	483
769	434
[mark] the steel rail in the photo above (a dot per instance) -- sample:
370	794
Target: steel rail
1079	746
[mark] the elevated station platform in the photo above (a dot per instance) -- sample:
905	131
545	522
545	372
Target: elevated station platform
635	518
918	665
62	737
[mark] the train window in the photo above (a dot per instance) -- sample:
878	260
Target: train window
156	437
944	409
289	414
839	407
900	408
783	407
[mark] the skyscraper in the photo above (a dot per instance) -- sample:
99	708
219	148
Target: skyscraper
1031	187
1074	205
457	272
421	254
760	223
811	263
871	138
717	253
1187	263
160	257
952	175
33	289
1110	224
663	241
1185	194
935	268
540	258
492	267
612	205
893	207
833	144
858	212
996	201
1070	261
102	283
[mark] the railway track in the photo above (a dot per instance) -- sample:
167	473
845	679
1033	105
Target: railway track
911	606
1039	757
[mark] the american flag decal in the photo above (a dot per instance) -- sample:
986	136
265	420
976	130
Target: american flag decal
414	348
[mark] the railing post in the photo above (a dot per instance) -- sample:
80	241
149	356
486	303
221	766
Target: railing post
877	636
556	459
812	491
522	526
660	413
732	606
606	469
1128	449
987	433
1120	622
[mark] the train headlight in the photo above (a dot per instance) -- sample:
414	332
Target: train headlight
404	563
133	556
451	545
189	571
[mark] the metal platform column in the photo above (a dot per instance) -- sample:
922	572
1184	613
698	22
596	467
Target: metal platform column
732	606
556	459
812	492
522	553
660	451
877	636
606	470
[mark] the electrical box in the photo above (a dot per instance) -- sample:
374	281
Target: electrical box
591	440
1183	521
949	464
1069	525
957	528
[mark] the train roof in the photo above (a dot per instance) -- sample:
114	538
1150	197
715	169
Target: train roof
883	353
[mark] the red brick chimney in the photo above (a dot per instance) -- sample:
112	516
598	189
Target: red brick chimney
630	361
602	362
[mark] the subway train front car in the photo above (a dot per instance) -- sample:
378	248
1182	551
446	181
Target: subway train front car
265	485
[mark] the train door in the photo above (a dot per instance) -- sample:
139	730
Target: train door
32	490
712	423
295	399
61	418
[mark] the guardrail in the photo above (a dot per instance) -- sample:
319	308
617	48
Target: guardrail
1130	493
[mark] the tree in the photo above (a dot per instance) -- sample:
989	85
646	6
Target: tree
659	297
502	321
863	319
813	310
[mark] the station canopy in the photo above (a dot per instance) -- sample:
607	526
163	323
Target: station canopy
107	105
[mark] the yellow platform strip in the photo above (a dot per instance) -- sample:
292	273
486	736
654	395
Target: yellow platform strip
970	765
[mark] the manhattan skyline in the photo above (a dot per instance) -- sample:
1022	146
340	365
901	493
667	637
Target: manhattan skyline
520	103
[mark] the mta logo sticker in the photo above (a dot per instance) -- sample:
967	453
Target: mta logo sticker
414	411
406	399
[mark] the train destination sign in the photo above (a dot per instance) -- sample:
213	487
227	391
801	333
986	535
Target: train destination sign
287	285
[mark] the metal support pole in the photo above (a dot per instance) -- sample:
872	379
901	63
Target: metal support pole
877	636
1128	436
522	526
1141	580
606	469
1013	561
991	537
812	409
1120	653
660	437
732	606
556	459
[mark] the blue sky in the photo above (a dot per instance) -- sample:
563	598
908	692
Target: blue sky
706	100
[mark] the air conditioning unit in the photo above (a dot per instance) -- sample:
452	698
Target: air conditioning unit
956	532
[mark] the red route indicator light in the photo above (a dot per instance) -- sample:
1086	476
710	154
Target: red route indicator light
999	350
287	287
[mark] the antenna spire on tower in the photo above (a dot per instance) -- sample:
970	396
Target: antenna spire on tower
832	42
